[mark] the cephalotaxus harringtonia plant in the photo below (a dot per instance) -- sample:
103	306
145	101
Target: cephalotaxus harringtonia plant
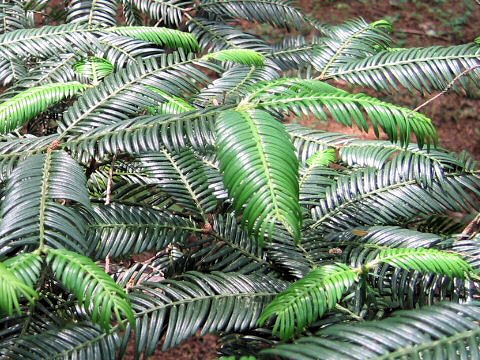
159	128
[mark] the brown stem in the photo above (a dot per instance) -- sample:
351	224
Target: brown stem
472	227
108	197
449	86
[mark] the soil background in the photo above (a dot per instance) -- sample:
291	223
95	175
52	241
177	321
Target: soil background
416	23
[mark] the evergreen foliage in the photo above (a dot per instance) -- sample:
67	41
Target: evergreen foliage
166	135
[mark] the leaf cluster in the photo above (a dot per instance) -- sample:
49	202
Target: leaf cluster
152	188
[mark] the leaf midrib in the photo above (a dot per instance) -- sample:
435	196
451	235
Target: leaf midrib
141	226
43	198
261	153
352	98
39	36
319	285
113	94
164	306
187	184
342	47
433	344
399	63
367	195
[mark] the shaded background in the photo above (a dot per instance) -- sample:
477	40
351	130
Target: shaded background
418	23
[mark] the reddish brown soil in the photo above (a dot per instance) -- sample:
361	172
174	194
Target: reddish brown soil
197	348
418	23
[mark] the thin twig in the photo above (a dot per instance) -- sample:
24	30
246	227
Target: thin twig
107	263
449	86
472	227
348	312
422	33
108	197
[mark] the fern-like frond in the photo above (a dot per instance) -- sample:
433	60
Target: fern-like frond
123	51
44	184
167	263
297	260
352	40
467	160
379	237
315	180
175	105
120	230
426	260
239	56
422	69
215	178
405	287
117	44
444	225
308	142
145	174
444	331
169	12
74	340
133	16
47	41
231	248
322	158
320	290
23	107
295	53
309	96
92	286
260	170
58	69
145	134
92	12
275	12
171	38
293	41
173	201
94	68
171	105
126	92
12	327
215	36
12	287
11	71
469	249
415	163
35	5
25	267
183	177
179	307
370	197
234	83
134	194
309	298
411	161
14	17
13	151
316	177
